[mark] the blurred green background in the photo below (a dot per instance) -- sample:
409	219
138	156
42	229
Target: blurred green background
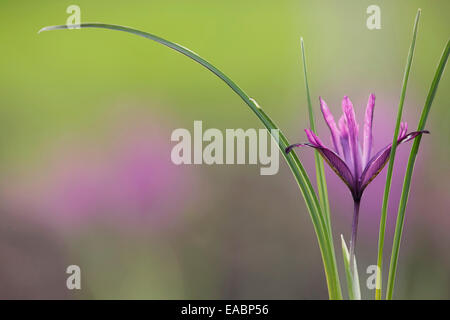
86	118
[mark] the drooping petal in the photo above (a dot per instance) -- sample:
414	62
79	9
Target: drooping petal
367	140
377	163
329	119
334	161
349	113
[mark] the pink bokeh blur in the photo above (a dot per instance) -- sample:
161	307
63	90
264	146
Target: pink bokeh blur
122	175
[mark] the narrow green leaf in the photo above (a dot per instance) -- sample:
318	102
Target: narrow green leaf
320	171
306	188
354	292
409	172
387	188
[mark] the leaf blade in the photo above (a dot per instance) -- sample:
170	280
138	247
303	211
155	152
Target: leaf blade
409	171
291	158
387	188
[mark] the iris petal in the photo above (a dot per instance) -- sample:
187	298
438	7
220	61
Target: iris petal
377	163
329	119
349	113
334	161
367	141
403	129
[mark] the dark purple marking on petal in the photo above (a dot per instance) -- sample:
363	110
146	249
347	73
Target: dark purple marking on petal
377	163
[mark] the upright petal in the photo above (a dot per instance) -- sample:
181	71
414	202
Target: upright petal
349	113
377	163
367	140
329	119
343	130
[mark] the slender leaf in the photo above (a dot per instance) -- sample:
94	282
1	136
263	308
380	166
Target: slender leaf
409	172
306	188
387	188
320	171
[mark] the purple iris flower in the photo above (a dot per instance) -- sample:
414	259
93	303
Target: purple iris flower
354	164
